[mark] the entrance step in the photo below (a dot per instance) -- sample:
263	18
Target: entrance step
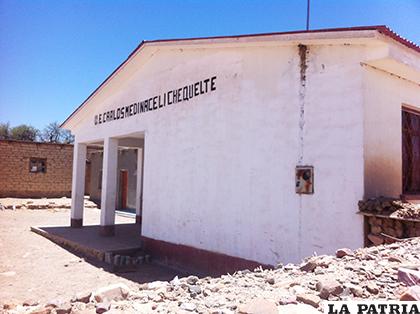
88	242
126	260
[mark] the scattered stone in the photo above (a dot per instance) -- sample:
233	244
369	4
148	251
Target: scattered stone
328	287
308	266
51	203
188	306
196	289
270	280
309	298
30	302
286	299
296	289
9	306
409	277
42	310
372	288
258	306
82	297
102	307
192	280
343	252
357	291
112	293
394	258
411	294
64	308
157	285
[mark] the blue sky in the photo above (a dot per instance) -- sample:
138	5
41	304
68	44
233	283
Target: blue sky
53	54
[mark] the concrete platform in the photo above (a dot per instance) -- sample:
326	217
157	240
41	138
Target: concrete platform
88	241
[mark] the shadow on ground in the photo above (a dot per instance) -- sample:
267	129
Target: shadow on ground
87	243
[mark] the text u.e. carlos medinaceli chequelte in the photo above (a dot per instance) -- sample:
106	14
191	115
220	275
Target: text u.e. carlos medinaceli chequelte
168	98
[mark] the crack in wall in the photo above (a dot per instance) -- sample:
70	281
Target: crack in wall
303	66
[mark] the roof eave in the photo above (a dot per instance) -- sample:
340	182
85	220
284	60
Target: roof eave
379	28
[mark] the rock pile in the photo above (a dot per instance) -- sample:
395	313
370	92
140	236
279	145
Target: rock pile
385	272
41	203
392	207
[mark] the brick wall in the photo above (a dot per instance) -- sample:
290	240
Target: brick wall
17	181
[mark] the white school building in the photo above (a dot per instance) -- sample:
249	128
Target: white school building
254	149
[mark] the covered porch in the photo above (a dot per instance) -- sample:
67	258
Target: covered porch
109	181
89	242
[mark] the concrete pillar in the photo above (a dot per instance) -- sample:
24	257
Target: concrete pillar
109	186
78	185
139	185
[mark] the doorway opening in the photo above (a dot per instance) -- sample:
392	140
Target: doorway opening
129	176
411	151
123	188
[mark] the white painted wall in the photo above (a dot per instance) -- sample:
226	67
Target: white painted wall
384	96
219	169
334	145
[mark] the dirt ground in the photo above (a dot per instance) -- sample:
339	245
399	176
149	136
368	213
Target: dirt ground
32	267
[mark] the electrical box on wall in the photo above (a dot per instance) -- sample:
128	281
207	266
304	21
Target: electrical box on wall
304	179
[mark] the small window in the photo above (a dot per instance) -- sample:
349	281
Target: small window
38	165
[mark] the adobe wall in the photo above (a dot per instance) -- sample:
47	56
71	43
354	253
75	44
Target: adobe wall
17	181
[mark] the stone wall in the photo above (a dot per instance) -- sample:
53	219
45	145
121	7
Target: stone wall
379	230
16	180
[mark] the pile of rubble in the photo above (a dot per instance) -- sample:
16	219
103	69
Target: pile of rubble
41	203
385	272
394	208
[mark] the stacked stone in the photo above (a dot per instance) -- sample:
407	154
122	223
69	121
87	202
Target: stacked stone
378	205
390	206
393	220
383	230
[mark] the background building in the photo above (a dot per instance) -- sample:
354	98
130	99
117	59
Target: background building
33	169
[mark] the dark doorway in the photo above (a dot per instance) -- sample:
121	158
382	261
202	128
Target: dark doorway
124	188
411	151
